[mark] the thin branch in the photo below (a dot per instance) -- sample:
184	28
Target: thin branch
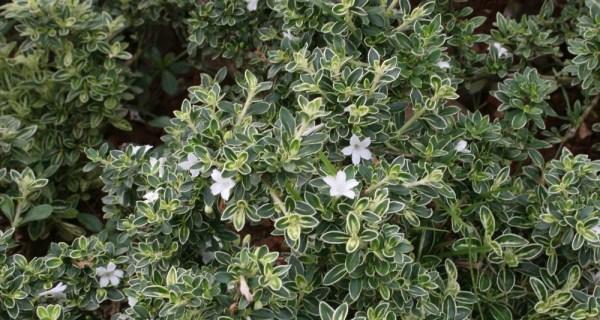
572	131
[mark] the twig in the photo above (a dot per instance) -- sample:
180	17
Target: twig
571	132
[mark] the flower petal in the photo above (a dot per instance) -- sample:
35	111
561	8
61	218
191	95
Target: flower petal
329	180
351	183
229	183
347	151
103	282
61	286
225	194
340	177
100	271
365	143
354	140
356	157
365	154
216	188
118	273
349	194
114	280
216	175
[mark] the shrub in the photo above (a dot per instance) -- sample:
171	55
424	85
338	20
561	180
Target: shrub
353	177
62	82
585	64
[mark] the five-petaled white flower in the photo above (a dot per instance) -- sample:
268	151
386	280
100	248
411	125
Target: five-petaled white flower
443	64
189	163
221	185
135	116
461	146
58	292
339	186
251	5
161	165
502	51
245	290
151	196
109	275
358	149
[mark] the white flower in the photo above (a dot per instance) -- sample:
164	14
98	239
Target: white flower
161	165
251	5
339	186
288	34
461	146
135	116
245	290
58	292
132	301
358	149
502	51
221	185
443	64
189	163
151	196
109	275
596	277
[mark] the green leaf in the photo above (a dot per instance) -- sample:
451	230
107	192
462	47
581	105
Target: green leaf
37	213
327	165
325	311
538	288
449	308
155	291
287	120
7	207
352	261
341	312
511	240
519	120
355	288
168	83
172	276
334	237
90	222
160	121
54	262
334	274
258	107
500	312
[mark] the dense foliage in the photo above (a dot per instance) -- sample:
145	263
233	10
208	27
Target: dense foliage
354	159
62	82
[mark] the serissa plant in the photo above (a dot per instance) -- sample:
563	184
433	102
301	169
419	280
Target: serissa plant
382	196
63	82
